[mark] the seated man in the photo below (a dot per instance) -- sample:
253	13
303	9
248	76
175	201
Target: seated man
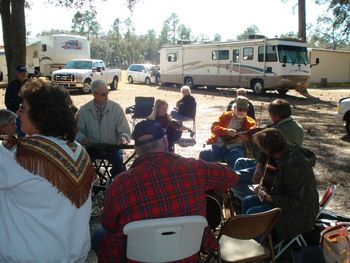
226	143
242	92
7	127
293	189
186	107
250	170
158	184
103	121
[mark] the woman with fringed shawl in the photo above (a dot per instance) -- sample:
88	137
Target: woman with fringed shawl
45	183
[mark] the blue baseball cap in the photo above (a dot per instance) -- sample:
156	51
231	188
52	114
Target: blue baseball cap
147	127
21	69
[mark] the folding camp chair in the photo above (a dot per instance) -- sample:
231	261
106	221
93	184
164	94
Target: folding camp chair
164	239
327	197
141	110
238	236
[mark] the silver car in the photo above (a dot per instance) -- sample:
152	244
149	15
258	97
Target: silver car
144	73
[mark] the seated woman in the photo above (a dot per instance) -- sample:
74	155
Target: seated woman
186	107
293	186
173	129
45	183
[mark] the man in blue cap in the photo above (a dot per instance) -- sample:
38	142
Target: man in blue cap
12	96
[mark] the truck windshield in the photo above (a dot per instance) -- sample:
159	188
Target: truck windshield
293	54
79	64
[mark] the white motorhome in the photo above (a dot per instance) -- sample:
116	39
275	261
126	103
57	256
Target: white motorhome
49	53
258	64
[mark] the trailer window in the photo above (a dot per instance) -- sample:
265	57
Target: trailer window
248	53
220	55
270	55
235	55
44	48
172	57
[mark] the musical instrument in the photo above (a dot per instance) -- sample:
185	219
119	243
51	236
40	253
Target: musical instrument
266	181
249	133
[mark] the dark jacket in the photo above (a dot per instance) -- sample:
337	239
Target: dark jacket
12	99
187	106
295	192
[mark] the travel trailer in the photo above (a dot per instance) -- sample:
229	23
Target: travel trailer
49	53
258	64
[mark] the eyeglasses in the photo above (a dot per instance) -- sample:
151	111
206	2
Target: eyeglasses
241	109
21	108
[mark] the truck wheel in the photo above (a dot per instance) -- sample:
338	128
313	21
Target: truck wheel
348	126
148	81
282	91
258	87
114	83
189	82
87	88
130	80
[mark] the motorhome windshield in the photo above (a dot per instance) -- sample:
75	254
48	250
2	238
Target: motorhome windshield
79	64
292	54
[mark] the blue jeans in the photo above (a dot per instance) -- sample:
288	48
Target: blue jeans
215	153
252	205
96	237
245	169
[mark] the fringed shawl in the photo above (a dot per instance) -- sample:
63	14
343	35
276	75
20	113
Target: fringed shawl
43	157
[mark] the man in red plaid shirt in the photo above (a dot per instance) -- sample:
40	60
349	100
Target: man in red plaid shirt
158	184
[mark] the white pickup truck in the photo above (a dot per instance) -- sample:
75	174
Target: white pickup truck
79	73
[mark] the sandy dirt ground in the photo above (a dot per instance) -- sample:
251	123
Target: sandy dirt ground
327	140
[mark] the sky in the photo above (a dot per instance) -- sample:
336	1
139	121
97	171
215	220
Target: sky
228	18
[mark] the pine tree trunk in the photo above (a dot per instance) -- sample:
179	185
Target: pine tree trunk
302	20
14	34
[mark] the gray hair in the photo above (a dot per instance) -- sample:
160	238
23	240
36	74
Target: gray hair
6	116
241	92
97	84
186	88
156	146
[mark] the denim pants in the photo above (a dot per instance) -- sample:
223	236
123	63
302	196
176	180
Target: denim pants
215	153
251	205
245	169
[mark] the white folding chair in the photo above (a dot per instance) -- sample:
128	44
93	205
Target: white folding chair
164	239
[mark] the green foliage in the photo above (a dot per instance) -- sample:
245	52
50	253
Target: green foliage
252	30
85	23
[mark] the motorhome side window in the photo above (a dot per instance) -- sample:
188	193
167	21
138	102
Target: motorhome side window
270	55
220	55
172	57
248	53
235	55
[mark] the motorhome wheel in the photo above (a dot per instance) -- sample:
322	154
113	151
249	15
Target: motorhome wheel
189	82
258	87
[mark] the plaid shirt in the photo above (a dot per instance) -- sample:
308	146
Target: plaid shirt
158	185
